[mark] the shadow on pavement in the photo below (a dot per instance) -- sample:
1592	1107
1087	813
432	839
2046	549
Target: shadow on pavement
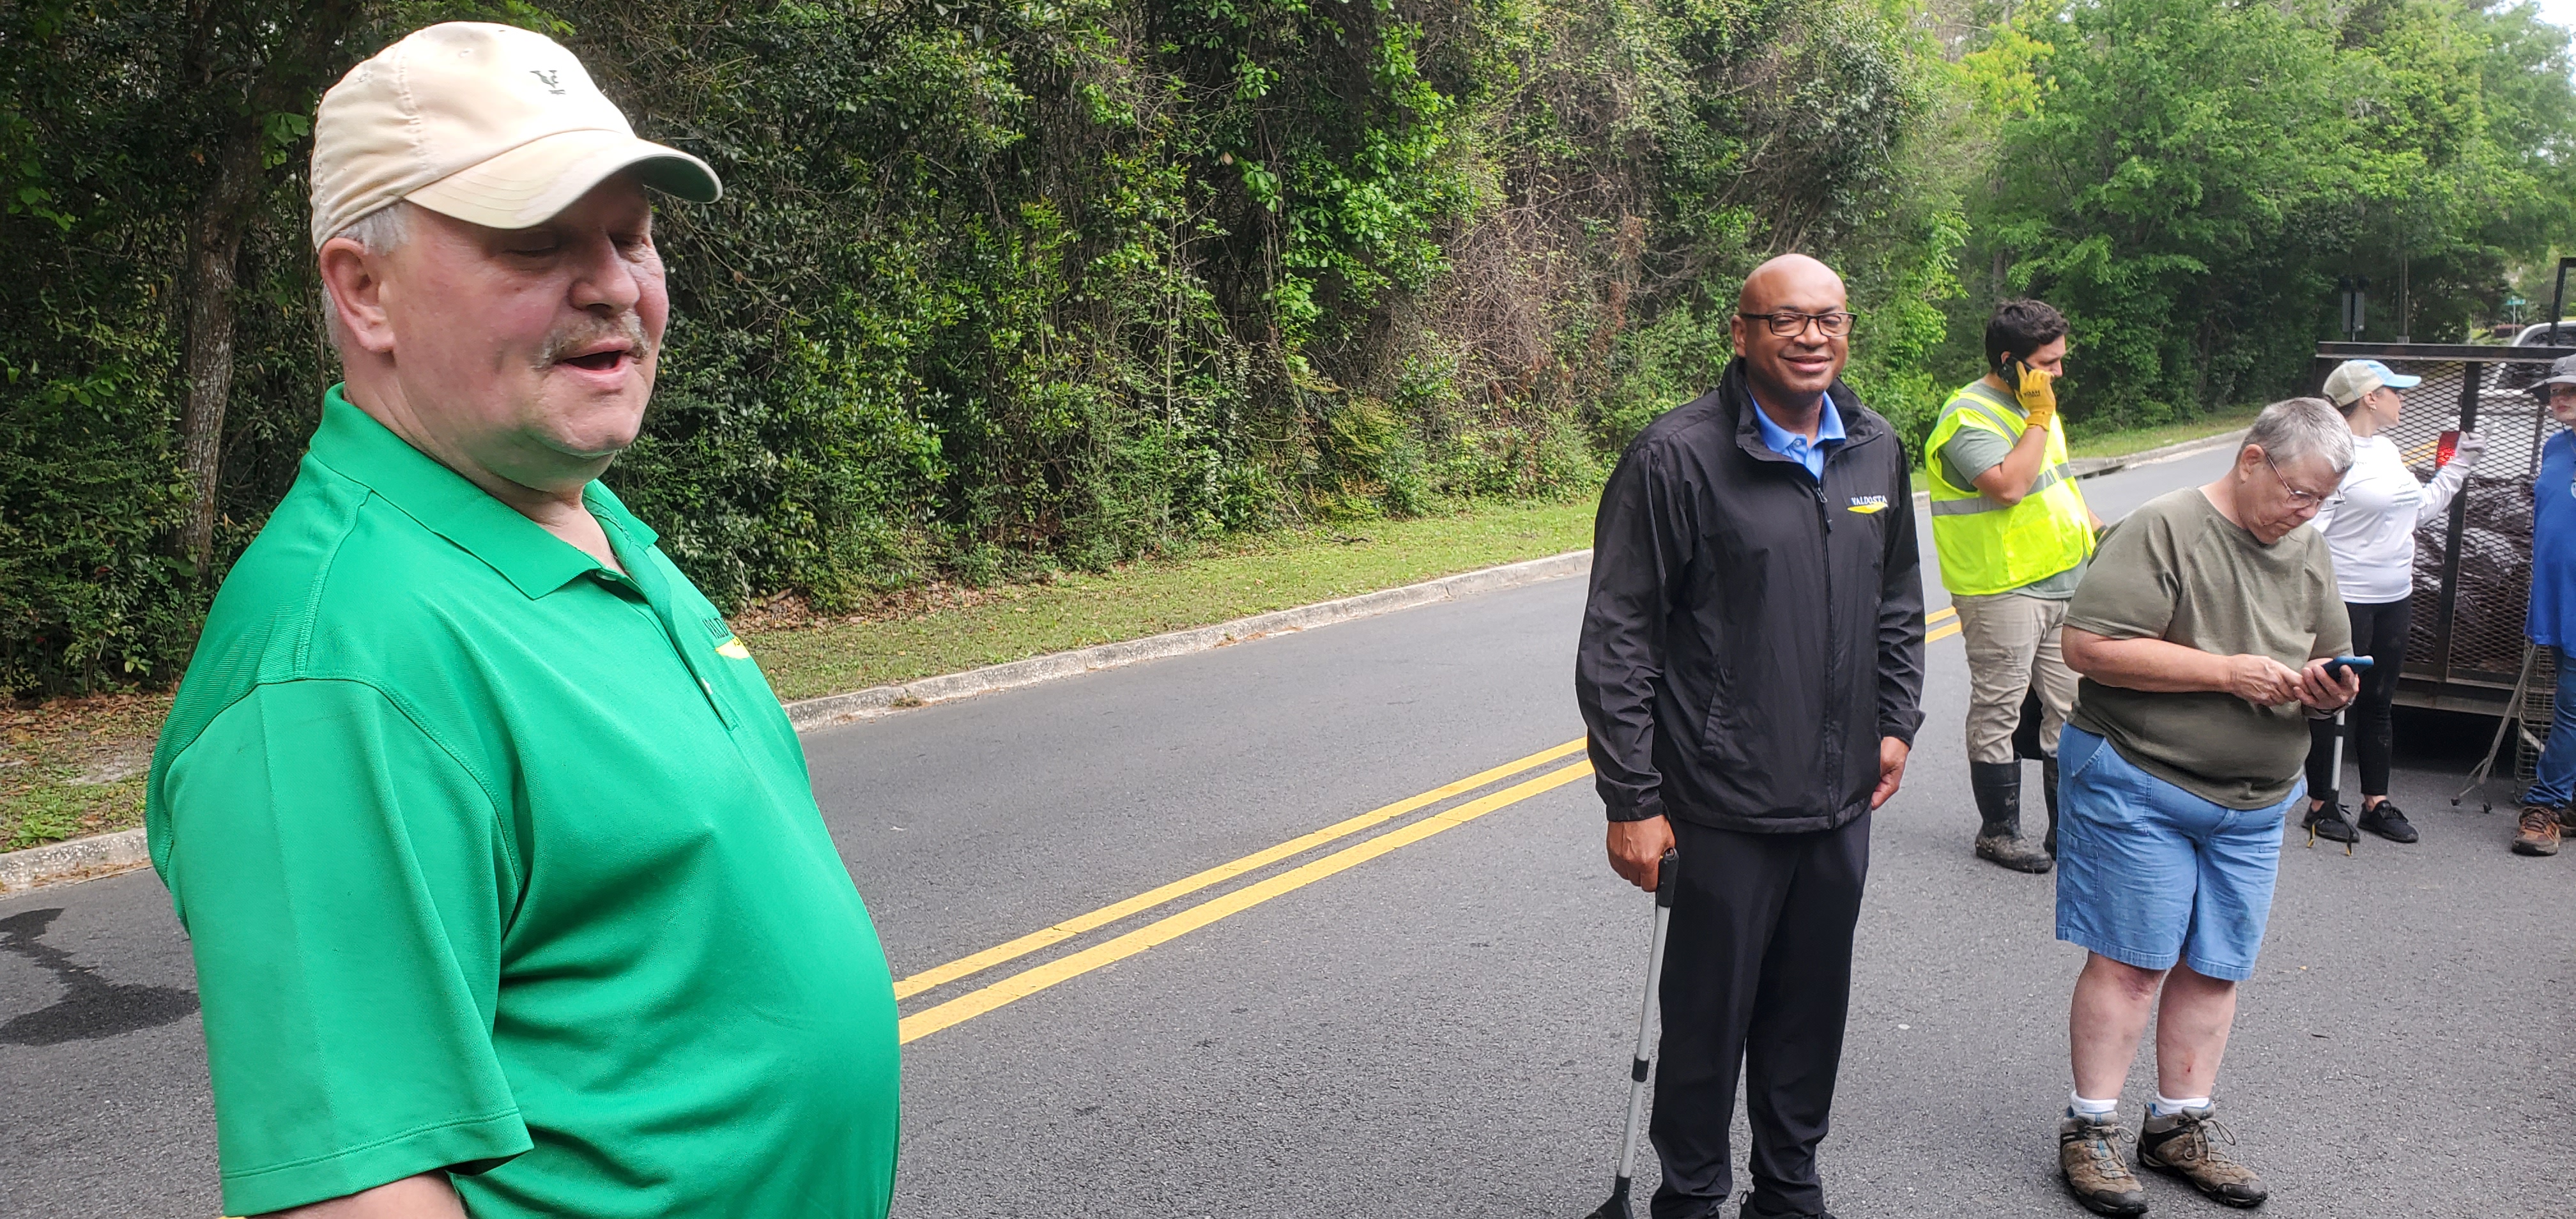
91	1007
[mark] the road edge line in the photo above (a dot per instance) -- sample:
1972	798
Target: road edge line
811	713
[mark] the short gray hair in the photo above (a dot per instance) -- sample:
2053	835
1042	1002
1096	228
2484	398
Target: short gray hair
381	230
2294	429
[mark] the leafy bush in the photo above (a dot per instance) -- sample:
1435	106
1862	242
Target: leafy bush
1004	287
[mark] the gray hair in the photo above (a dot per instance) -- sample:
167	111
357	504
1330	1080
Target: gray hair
381	231
2295	429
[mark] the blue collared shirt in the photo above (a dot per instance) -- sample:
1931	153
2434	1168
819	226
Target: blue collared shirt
1797	448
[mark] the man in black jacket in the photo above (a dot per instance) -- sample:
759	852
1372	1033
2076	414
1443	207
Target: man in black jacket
1750	671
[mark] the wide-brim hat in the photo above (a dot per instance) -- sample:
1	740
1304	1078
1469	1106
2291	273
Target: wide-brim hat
2562	371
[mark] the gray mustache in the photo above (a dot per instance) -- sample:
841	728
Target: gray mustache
566	340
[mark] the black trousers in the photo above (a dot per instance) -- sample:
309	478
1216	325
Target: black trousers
1757	975
2378	632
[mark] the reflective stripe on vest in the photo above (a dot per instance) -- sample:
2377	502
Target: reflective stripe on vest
2049	477
1987	546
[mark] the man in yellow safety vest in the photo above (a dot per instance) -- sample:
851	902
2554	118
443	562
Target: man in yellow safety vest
2013	534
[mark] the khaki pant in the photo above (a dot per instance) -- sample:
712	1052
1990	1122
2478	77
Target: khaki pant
2013	649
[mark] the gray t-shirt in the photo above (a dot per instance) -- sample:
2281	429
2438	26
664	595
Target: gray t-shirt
2177	570
1972	451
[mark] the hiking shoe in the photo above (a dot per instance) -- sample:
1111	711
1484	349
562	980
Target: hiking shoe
2388	821
2186	1144
2539	832
2088	1157
2328	822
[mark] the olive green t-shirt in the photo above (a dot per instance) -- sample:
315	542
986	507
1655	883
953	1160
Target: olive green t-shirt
2178	570
496	861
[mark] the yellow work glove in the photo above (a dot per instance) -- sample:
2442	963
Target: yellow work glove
2038	398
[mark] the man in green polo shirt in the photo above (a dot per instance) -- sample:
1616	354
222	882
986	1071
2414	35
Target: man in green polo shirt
505	882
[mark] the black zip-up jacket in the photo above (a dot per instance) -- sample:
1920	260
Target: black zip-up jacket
1752	631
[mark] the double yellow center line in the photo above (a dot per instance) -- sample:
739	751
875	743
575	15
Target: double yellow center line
1018	986
1030	981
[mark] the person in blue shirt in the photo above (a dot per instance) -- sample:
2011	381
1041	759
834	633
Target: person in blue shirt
1795	445
2551	622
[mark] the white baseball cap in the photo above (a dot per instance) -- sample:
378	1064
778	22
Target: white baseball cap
487	123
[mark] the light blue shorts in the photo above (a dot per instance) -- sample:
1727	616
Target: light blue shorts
2149	874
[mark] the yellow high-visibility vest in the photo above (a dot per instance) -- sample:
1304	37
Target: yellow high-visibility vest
1990	547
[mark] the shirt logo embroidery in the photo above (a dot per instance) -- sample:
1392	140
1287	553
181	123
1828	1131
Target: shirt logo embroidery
549	79
728	644
1866	504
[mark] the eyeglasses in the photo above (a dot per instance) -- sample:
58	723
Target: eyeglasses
1789	324
2304	499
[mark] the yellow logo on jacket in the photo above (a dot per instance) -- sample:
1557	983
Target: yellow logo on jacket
1866	504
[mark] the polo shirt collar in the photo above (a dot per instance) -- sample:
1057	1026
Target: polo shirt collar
351	442
1828	427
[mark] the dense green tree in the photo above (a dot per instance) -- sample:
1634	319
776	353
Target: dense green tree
2188	178
997	286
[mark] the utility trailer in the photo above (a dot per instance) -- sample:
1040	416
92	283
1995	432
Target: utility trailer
2472	568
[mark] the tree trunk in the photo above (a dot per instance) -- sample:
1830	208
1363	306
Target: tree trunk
307	48
214	251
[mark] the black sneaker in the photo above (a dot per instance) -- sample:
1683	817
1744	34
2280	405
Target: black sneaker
2328	822
2388	821
1757	1207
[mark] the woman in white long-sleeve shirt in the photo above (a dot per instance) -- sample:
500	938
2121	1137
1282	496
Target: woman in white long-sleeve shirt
2369	527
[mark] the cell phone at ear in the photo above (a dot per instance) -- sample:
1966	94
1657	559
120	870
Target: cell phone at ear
2336	666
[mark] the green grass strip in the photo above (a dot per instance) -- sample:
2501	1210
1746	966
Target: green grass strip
1272	572
2081	442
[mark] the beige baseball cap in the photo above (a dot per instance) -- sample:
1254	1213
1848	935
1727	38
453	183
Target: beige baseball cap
487	123
2353	378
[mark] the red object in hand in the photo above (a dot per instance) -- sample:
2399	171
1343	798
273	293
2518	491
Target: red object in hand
2448	448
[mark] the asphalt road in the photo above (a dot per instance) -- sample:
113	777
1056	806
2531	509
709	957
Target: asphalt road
1441	1029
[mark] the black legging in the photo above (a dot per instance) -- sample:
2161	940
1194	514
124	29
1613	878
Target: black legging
2378	632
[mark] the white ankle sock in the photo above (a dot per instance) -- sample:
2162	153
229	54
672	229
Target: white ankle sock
2166	1106
2083	1106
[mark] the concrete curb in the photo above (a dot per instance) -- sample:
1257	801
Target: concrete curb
77	859
123	851
812	713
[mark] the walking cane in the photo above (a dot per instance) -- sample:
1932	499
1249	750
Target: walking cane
1617	1206
2335	669
2338	778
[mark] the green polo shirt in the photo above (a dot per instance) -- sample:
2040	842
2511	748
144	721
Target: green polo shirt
496	861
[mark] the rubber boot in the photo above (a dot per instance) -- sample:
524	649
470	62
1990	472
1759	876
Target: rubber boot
1998	789
2048	776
